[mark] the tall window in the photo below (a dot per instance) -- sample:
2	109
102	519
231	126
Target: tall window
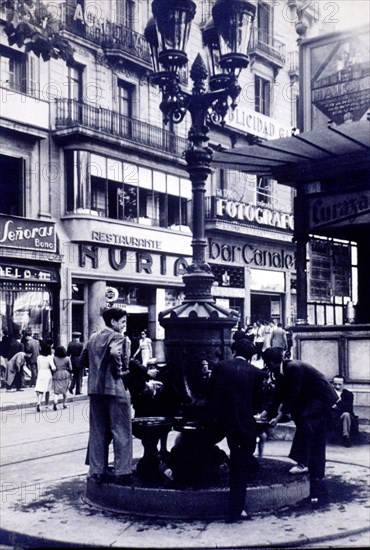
264	19
75	93
126	13
262	97
75	83
12	177
125	93
124	100
13	73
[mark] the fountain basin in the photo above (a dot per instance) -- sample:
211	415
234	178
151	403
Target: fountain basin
264	493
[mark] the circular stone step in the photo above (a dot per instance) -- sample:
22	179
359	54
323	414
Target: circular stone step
204	503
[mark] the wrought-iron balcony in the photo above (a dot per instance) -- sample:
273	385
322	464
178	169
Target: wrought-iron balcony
81	117
121	43
118	42
264	46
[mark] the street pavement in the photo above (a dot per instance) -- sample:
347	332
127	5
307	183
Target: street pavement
43	475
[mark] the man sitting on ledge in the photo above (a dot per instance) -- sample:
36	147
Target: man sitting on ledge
342	415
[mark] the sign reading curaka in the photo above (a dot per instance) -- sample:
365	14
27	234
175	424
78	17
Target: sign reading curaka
341	209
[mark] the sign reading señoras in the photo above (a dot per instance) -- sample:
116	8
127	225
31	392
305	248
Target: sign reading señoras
27	234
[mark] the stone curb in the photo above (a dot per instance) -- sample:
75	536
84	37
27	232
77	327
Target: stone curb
32	404
199	504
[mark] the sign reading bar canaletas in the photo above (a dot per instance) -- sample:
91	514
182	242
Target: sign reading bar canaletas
23	233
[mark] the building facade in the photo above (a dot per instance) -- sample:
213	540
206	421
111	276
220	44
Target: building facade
95	196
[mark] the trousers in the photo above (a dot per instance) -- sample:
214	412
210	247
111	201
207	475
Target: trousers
110	420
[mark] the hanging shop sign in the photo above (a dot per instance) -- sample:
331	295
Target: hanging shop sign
23	233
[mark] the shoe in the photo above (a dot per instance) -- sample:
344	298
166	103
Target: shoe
241	517
54	407
38	408
20	390
298	469
78	393
346	441
70	391
65	407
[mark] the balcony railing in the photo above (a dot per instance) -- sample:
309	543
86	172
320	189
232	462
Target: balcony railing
112	37
266	46
122	39
71	113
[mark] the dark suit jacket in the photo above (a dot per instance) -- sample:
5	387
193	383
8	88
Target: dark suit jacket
346	402
305	390
234	395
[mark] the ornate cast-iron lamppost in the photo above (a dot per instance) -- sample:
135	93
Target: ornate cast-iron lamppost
198	329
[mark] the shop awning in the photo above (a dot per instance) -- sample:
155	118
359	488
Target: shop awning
304	157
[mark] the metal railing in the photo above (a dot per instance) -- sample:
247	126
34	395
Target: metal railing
122	38
265	44
70	113
106	34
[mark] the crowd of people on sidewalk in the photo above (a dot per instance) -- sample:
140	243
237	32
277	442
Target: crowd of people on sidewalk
51	370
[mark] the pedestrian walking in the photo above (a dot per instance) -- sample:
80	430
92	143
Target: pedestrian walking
145	348
110	401
32	345
74	351
308	397
45	368
61	376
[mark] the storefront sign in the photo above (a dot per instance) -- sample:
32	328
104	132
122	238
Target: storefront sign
257	124
23	233
10	272
251	255
119	259
348	208
245	212
125	240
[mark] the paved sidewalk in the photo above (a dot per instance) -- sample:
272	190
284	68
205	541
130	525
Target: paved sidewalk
26	398
50	510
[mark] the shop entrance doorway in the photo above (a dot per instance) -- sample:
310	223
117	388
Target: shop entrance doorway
265	307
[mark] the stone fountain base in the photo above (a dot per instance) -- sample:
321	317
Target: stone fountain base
201	503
